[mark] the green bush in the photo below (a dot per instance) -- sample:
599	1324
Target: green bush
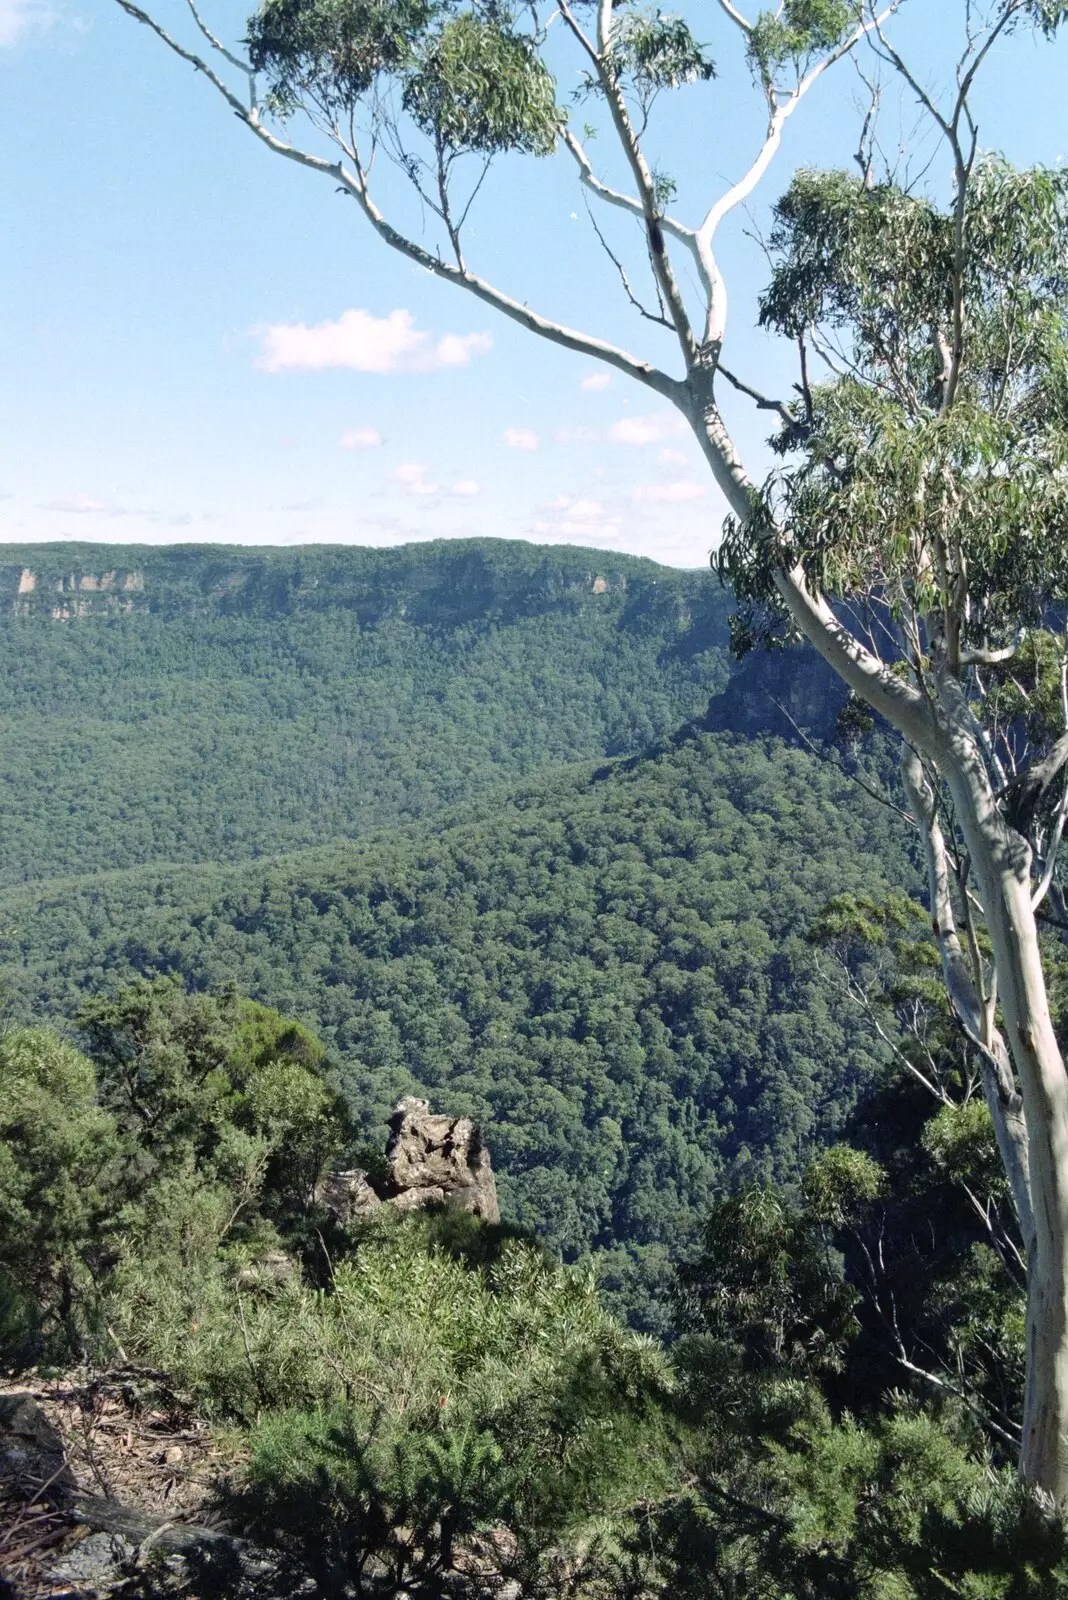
59	1169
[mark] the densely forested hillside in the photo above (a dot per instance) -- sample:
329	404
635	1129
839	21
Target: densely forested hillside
201	704
609	967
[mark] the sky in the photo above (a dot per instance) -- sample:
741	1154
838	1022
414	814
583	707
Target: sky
200	342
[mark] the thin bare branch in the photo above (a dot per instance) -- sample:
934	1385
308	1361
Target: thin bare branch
217	44
762	402
643	311
936	1382
614	197
823	755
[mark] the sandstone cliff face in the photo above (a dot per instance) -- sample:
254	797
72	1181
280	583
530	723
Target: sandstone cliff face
432	1159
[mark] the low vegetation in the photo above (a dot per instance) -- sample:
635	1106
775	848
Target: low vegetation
416	1401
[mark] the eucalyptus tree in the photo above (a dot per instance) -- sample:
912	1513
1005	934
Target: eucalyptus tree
913	532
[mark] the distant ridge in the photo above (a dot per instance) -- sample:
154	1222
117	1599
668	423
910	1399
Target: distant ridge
215	703
444	581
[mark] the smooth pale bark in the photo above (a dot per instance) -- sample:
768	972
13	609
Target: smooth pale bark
943	730
970	1007
1001	863
940	726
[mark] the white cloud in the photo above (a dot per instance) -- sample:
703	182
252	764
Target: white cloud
18	16
668	493
413	476
585	511
596	380
677	457
583	518
642	430
456	349
467	488
628	430
364	343
79	504
360	439
520	439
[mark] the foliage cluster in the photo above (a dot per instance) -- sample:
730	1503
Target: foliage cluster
897	491
195	1118
470	78
798	31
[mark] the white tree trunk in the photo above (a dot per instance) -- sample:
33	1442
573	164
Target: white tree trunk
972	1008
944	732
1001	864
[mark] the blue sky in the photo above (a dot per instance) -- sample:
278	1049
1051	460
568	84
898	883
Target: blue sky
200	342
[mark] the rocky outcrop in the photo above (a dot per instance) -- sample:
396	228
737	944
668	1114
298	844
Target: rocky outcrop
432	1160
439	1159
347	1195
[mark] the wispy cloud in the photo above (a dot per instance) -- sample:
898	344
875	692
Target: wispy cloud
582	518
17	17
467	488
520	439
360	439
668	493
596	380
676	457
628	431
579	510
364	343
80	505
645	430
412	474
87	505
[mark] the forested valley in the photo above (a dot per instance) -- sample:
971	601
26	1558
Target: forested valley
289	836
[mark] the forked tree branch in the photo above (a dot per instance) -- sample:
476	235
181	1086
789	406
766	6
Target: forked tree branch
780	112
355	185
217	44
642	310
963	162
614	197
600	56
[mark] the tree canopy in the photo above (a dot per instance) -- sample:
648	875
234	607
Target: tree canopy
610	968
218	704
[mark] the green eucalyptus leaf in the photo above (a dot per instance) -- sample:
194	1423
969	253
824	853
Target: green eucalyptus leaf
330	52
479	86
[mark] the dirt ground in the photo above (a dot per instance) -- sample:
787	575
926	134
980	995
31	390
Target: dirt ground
122	1435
